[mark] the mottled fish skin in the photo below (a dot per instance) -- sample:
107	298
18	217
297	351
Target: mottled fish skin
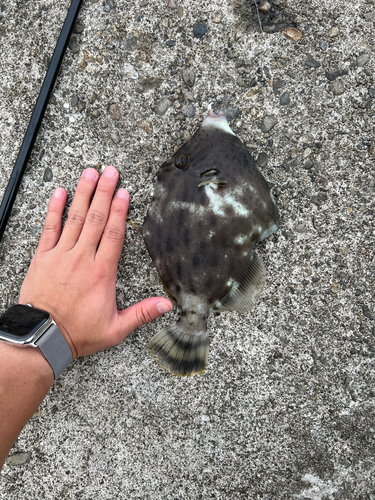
201	235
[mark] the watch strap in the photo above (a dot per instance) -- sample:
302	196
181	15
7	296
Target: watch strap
55	349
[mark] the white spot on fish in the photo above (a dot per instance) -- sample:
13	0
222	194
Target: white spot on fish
219	201
242	238
197	210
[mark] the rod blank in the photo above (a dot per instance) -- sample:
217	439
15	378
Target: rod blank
37	116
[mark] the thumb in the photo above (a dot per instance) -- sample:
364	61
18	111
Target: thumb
143	312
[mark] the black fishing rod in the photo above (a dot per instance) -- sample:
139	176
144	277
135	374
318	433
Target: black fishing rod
37	116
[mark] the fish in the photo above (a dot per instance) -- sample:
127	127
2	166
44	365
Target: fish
210	207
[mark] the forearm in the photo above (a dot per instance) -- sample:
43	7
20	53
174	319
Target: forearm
25	379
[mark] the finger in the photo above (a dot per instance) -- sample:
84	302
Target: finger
78	211
114	233
139	314
97	215
52	224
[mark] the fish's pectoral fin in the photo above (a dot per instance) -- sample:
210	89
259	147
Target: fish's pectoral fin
244	294
179	352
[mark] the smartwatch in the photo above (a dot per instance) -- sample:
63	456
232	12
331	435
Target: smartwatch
25	326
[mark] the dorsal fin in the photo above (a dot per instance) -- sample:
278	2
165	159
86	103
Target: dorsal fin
244	294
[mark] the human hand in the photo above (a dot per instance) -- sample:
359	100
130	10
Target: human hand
73	273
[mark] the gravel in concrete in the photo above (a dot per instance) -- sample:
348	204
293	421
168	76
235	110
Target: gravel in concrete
286	407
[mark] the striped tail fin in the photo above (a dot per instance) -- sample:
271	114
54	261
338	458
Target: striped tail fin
180	352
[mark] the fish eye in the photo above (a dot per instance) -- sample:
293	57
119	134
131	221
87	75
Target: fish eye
181	161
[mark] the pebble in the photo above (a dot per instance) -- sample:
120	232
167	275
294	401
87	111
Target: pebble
21	458
48	175
308	165
292	34
162	106
301	228
147	127
332	75
277	84
130	43
333	32
231	113
170	43
96	113
130	72
188	76
371	92
74	101
369	16
189	96
262	160
150	84
78	28
171	4
323	45
199	29
188	110
73	45
285	99
307	152
115	136
367	312
252	93
337	87
362	60
312	63
264	7
114	111
108	7
268	123
35	230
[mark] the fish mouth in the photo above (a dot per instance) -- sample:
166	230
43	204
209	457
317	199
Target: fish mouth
217	120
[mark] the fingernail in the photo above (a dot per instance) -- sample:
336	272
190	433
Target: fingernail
164	306
59	193
109	172
122	193
90	173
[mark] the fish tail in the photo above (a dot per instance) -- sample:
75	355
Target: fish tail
180	352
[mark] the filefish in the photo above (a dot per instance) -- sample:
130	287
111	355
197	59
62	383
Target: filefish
211	206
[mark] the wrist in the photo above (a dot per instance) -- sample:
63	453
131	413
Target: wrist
26	363
24	325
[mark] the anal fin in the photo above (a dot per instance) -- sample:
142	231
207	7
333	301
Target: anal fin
244	294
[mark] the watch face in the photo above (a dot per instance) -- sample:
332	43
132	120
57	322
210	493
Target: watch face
20	323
